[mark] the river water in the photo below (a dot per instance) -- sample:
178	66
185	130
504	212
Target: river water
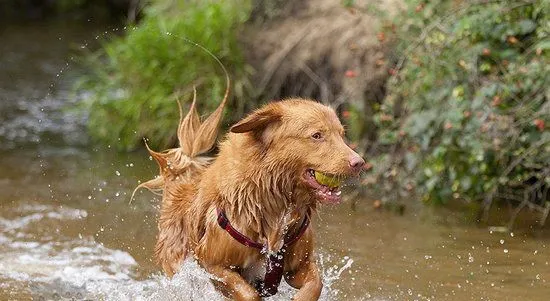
67	230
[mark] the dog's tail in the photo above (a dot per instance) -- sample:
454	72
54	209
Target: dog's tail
184	163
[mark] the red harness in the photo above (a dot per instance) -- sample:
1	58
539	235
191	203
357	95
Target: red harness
275	262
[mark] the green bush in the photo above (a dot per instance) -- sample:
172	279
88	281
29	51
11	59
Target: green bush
467	110
136	79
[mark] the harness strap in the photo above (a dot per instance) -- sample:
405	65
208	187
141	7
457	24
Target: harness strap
275	262
273	274
238	236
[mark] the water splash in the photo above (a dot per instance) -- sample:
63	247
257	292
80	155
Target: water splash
64	268
194	283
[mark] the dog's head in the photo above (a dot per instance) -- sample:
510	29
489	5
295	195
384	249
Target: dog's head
308	138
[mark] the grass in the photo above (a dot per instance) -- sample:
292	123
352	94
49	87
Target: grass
136	79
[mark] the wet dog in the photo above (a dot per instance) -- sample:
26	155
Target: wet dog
244	215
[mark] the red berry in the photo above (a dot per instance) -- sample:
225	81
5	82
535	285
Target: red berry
539	123
351	73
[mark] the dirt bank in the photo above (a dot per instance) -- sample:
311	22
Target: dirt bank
322	49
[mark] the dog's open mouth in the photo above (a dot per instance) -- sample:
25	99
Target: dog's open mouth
326	187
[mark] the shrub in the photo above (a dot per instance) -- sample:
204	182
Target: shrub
136	79
467	110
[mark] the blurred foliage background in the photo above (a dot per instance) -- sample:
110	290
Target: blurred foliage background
466	114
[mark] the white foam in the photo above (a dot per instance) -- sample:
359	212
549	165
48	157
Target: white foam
81	276
24	245
20	222
191	283
40	212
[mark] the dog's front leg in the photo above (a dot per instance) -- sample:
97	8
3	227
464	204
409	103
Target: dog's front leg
308	280
233	284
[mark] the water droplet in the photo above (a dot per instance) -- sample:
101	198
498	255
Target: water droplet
505	250
502	241
117	173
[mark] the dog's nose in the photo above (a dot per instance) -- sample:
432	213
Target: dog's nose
356	162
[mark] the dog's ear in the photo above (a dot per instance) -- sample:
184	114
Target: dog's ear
258	120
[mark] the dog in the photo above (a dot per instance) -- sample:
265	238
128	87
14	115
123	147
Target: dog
244	214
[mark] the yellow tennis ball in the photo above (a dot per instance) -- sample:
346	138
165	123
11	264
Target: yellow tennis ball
329	181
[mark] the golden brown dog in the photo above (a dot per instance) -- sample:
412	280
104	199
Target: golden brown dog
265	181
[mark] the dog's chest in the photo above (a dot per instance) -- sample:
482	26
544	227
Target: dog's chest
254	270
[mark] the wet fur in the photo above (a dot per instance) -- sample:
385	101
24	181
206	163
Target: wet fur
257	179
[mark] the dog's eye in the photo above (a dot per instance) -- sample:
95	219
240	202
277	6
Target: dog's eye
317	136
